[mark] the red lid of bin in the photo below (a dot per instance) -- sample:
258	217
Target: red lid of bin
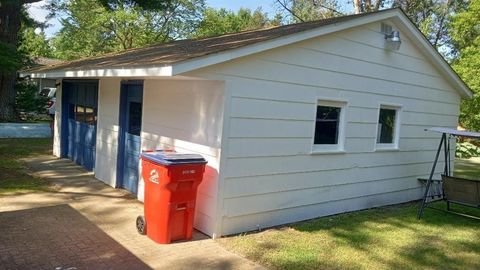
173	158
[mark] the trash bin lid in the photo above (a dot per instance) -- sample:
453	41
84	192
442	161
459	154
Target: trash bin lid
173	158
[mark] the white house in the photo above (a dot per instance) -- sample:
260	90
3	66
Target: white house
296	122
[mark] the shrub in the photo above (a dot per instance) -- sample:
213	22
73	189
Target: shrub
467	150
28	100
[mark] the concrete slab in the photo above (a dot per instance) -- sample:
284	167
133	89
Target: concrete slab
108	213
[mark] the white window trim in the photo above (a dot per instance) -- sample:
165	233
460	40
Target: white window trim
396	135
331	148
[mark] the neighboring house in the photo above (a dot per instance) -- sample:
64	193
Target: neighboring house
296	122
44	83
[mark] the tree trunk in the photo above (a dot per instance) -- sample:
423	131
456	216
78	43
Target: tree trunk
9	28
357	5
10	22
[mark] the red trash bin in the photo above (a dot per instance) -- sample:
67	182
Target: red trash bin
171	182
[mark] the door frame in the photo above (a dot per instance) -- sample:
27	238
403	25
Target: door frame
122	117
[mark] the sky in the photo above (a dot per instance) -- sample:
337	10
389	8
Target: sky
37	12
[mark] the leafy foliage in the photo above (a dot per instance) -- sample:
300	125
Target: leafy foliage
28	100
144	4
309	10
10	59
467	150
220	21
465	37
33	44
90	29
432	17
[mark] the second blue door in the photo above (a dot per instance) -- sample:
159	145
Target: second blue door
130	127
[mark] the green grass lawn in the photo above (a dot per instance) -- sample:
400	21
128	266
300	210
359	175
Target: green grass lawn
468	168
383	238
13	175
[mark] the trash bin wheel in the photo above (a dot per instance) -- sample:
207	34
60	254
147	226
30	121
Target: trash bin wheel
141	225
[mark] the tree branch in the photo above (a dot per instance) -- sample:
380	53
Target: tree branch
441	23
30	1
328	8
378	4
290	11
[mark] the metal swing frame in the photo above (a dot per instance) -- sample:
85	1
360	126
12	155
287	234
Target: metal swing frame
447	134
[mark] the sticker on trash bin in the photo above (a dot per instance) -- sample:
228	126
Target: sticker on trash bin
154	176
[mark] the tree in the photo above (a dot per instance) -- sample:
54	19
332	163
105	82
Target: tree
309	10
10	57
143	4
362	6
220	21
432	17
10	23
33	44
89	28
464	30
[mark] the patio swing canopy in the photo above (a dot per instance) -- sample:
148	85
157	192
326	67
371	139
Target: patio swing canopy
455	132
454	189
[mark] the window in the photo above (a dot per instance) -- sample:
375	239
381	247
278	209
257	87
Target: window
135	118
328	126
388	127
82	104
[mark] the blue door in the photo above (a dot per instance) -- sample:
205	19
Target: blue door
80	102
130	127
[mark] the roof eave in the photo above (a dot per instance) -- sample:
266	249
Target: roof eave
437	58
396	14
164	71
180	68
217	58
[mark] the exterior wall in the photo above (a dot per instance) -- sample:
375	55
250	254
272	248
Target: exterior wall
270	175
187	115
107	130
58	122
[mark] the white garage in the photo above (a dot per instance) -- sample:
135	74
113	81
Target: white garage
296	122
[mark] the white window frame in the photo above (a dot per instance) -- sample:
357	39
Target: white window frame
396	133
331	148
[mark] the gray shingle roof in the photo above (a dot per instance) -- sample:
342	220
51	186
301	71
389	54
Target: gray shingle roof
177	51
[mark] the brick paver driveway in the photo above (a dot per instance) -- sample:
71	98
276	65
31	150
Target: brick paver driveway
85	224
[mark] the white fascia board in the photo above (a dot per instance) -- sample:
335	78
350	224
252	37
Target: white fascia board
413	33
165	71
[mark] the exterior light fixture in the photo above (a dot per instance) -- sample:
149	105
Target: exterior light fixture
393	41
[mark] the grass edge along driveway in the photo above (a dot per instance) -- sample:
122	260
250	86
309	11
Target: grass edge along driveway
381	238
14	176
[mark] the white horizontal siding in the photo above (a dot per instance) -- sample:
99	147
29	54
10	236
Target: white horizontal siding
265	147
254	166
280	216
187	116
107	130
258	203
238	187
57	128
270	175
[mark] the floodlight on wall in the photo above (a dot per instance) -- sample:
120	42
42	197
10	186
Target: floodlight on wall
393	41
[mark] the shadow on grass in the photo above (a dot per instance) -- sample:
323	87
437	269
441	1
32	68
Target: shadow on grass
432	246
382	238
14	177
